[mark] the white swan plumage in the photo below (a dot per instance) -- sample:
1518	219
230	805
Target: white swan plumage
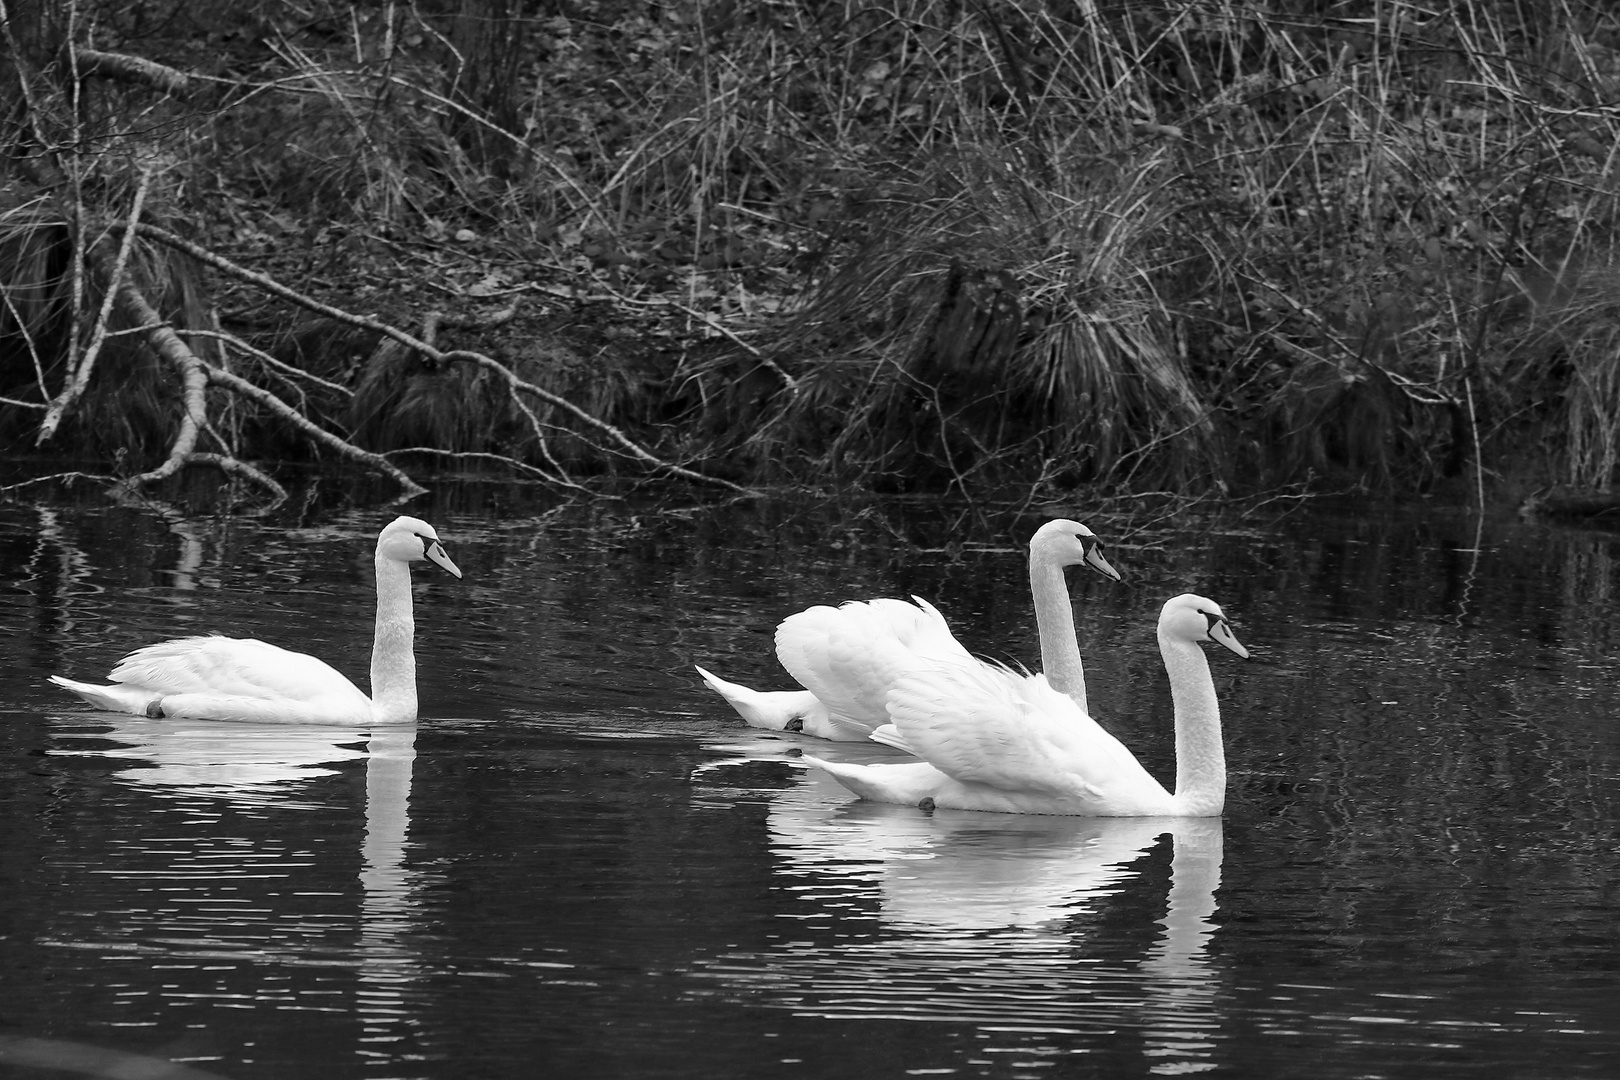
993	739
223	678
847	657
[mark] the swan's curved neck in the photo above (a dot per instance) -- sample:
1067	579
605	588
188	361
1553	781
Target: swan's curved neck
1200	754
393	658
1054	620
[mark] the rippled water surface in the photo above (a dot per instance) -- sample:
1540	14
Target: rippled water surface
579	863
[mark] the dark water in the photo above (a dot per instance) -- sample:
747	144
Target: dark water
580	864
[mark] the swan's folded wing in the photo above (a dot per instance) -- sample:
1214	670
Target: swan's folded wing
993	726
849	656
232	667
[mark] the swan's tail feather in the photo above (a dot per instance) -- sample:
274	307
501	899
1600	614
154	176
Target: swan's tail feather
773	710
124	699
852	777
904	784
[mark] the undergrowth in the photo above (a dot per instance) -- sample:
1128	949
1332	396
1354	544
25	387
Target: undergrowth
1187	245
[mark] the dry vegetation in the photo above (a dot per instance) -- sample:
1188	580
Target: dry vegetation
919	245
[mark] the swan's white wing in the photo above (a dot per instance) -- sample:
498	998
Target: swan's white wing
991	726
850	656
921	629
234	668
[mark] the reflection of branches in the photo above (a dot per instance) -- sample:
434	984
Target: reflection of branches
68	571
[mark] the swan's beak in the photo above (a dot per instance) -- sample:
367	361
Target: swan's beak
1095	560
1222	634
435	553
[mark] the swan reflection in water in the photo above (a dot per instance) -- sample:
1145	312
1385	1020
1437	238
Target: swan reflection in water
988	919
243	764
263	768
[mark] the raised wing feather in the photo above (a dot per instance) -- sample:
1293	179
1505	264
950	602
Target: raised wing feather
921	629
992	726
233	667
847	656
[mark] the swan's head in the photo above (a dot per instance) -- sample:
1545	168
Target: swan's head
408	539
1197	618
1069	543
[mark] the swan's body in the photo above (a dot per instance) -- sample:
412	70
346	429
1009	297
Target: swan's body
847	658
992	739
221	678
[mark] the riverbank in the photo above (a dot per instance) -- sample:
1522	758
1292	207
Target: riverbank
1012	253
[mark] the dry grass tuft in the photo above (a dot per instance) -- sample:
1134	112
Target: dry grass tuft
991	327
401	401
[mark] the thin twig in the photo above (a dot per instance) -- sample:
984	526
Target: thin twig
502	459
65	477
265	358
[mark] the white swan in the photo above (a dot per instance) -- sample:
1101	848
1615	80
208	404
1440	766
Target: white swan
221	678
992	739
847	657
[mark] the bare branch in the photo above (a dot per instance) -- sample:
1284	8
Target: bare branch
271	285
125	68
502	459
238	385
168	345
80	378
65	477
195	376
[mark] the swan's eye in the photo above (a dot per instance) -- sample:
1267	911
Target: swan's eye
1214	619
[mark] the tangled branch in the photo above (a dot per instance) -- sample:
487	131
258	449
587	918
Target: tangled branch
514	383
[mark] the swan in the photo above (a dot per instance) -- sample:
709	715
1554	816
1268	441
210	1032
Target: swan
847	657
992	739
222	678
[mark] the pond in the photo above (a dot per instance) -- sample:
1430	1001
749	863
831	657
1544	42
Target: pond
580	863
